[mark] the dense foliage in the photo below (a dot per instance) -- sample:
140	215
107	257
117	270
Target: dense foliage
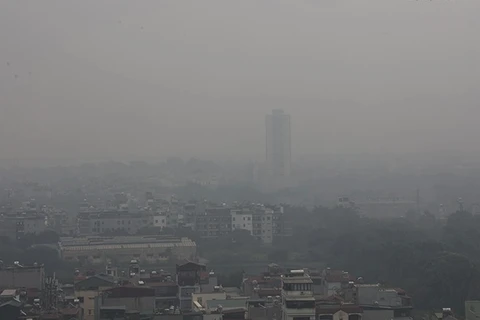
437	262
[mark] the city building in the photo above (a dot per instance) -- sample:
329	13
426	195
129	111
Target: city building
278	147
256	219
89	289
278	144
148	249
160	220
92	223
190	277
242	220
62	223
264	309
386	303
19	276
265	223
280	226
298	302
334	281
165	294
214	222
132	298
16	225
344	311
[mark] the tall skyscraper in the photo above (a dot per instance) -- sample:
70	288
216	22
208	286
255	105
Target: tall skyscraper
278	146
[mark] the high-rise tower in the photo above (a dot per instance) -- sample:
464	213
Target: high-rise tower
278	144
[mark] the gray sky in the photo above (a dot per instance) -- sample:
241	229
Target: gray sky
117	78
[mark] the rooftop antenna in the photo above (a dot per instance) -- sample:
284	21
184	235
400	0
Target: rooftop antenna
50	293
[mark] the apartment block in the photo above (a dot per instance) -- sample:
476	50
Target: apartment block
95	223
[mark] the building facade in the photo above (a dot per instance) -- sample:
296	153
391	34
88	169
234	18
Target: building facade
93	223
15	226
214	222
18	276
262	222
148	249
298	301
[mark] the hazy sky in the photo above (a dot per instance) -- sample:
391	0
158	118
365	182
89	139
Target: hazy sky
116	78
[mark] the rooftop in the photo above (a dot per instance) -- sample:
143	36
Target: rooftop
299	280
112	214
88	243
8	293
321	309
227	303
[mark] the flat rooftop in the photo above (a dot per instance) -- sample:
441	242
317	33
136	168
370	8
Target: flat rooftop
126	242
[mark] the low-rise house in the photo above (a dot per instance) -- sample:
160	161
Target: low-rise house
386	303
341	312
20	276
88	290
133	298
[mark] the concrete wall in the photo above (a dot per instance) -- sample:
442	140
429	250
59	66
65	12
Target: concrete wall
377	314
333	287
242	221
367	295
16	277
88	304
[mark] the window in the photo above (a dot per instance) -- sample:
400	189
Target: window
233	219
156	220
248	218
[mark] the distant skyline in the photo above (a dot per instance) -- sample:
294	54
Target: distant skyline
121	79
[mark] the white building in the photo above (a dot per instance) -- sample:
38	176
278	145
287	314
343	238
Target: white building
258	221
298	302
242	220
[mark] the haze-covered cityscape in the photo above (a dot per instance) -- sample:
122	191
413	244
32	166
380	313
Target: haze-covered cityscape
248	160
